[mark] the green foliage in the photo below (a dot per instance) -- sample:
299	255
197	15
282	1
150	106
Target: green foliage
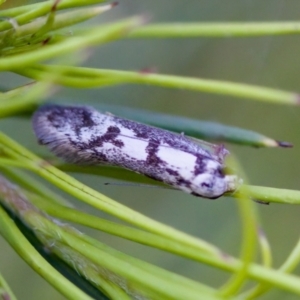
33	44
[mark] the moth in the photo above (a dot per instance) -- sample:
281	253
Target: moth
83	135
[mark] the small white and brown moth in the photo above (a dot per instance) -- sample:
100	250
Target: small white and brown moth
82	135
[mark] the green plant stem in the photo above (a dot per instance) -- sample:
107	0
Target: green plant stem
154	270
114	292
113	228
210	255
279	279
88	195
265	247
288	266
96	36
260	193
248	217
15	238
28	183
134	272
61	20
227	29
24	98
56	210
272	195
55	235
5	290
98	200
26	13
14	163
88	77
133	234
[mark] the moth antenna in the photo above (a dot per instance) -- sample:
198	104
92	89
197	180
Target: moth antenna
151	186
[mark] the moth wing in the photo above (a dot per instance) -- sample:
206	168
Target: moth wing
218	151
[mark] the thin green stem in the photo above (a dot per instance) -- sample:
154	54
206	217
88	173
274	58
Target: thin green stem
209	255
61	20
88	77
227	30
5	290
134	271
15	238
24	14
289	282
288	266
272	195
133	234
145	238
28	183
6	162
96	36
24	98
249	219
98	200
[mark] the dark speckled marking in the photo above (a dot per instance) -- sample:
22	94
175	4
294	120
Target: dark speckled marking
77	116
152	158
109	137
141	132
57	118
183	182
101	157
172	172
206	184
200	165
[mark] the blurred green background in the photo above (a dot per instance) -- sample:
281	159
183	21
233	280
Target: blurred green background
269	61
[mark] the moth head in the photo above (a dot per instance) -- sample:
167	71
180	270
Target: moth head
213	184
